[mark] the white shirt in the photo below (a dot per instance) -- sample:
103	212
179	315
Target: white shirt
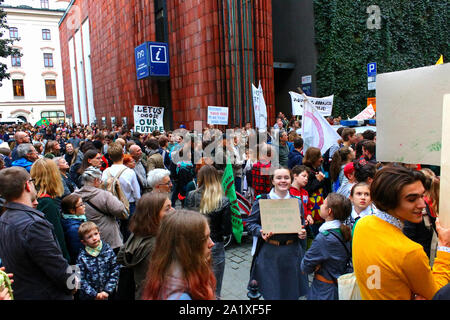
366	212
128	181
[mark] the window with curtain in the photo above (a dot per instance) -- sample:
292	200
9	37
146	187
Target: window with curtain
50	88
18	88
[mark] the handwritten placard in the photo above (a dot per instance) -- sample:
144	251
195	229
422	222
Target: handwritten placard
280	216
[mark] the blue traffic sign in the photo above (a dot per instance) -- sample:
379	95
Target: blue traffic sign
141	57
159	59
372	69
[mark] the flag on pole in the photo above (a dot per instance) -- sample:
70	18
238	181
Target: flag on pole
43	122
441	60
259	105
316	131
230	193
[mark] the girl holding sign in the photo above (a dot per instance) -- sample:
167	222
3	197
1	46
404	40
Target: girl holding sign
276	262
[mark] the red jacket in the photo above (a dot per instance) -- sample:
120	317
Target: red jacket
303	195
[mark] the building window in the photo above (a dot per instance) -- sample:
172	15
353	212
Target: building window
16	61
14	33
18	88
48	59
54	116
50	88
44	4
46	34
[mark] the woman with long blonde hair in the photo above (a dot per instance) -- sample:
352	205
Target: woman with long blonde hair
209	200
48	183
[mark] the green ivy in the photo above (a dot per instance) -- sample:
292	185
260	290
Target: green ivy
413	34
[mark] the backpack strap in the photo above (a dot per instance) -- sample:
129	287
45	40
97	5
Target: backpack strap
341	241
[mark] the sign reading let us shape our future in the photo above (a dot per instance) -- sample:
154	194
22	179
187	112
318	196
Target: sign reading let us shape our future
148	119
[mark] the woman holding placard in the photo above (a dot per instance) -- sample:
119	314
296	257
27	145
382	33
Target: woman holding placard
276	262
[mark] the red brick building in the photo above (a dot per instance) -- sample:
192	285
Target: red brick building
217	49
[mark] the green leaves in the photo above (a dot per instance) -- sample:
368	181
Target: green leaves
413	34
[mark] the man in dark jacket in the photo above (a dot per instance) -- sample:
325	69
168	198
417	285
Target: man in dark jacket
295	157
28	246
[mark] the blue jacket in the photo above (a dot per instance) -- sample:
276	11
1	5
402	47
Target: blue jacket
328	252
22	162
99	273
30	251
73	243
294	158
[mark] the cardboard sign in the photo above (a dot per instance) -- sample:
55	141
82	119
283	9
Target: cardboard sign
444	202
148	119
409	114
218	115
280	216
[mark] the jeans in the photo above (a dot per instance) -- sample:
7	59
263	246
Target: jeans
238	184
125	223
218	264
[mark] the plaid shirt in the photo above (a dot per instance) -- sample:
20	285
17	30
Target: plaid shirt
261	182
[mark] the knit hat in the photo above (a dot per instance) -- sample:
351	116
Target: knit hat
349	169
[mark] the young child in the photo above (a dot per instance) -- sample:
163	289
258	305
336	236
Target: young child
361	203
330	253
99	270
73	215
301	173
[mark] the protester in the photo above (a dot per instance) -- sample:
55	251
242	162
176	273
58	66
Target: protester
347	185
276	262
28	246
209	199
68	184
295	157
136	252
283	149
140	168
315	187
340	158
154	157
26	155
424	232
361	203
180	268
49	186
159	181
300	175
73	215
52	149
383	257
261	183
20	137
99	271
102	207
329	255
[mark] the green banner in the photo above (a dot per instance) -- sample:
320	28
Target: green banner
43	122
230	192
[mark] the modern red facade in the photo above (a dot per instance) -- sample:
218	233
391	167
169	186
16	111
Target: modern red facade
217	49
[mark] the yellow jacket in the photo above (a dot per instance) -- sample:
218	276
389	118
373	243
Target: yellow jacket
390	266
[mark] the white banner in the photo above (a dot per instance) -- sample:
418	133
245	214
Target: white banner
323	105
366	114
316	131
218	115
148	119
259	105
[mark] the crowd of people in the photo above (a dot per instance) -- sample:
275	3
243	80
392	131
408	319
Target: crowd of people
135	216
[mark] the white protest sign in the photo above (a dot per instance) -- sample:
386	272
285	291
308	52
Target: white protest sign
323	105
259	105
366	114
409	113
316	131
444	203
148	119
218	115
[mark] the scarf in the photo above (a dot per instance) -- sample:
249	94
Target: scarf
334	224
94	251
74	216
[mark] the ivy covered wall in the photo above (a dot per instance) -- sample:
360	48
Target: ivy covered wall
412	34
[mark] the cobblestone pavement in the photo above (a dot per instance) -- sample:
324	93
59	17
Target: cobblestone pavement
238	259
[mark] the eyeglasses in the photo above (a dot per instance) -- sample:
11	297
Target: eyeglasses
165	184
32	180
81	205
